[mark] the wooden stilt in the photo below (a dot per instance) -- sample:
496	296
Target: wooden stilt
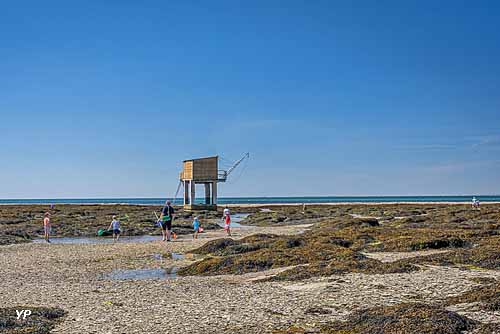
207	193
186	192
193	193
214	193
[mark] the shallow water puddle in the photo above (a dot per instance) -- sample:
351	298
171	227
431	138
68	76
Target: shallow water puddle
142	274
177	256
236	219
172	272
158	257
86	240
355	215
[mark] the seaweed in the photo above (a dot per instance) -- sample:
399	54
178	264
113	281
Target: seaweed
487	296
41	321
336	245
308	257
401	318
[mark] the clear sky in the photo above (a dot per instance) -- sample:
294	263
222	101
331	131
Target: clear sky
106	98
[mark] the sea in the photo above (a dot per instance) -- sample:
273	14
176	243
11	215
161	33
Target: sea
260	200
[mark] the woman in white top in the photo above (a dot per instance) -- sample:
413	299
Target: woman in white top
475	202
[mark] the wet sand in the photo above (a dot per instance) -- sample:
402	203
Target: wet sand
75	277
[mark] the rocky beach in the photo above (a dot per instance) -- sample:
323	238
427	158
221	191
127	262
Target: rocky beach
391	268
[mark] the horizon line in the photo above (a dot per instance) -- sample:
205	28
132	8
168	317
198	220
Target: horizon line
308	196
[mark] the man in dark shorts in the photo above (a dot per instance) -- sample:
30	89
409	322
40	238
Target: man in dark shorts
166	218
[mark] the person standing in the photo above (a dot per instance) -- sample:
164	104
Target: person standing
227	224
166	218
115	226
46	226
225	213
196	227
475	203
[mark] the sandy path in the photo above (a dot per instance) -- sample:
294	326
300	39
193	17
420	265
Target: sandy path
71	277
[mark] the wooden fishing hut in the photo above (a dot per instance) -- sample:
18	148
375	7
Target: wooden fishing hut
200	171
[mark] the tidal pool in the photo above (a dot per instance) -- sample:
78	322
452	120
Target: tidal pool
142	274
100	240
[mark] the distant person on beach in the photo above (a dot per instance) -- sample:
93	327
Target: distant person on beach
115	227
475	203
46	226
227	224
196	227
166	218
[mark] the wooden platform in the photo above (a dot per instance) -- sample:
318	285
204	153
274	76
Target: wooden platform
202	171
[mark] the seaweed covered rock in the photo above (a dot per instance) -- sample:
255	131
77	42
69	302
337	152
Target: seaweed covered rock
402	318
308	255
259	237
290	214
487	296
227	246
337	245
215	246
348	264
41	321
367	222
235	264
280	252
485	255
11	237
492	328
438	244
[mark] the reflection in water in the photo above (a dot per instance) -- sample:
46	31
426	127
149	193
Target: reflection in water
236	219
84	240
158	256
142	274
177	256
235	223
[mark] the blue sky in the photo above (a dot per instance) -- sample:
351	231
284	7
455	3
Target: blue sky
106	98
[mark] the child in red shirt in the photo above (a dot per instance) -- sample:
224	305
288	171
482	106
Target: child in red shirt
227	224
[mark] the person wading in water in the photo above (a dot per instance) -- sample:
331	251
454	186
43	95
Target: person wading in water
166	218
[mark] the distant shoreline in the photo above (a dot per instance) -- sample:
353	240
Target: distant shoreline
262	201
354	203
